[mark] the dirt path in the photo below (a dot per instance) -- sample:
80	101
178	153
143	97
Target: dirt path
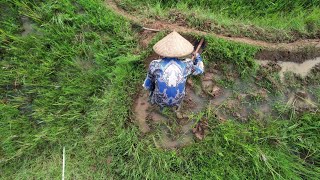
163	25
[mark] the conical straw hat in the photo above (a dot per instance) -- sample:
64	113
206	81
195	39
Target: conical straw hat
173	45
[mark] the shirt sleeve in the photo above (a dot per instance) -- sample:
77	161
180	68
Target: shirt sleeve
149	82
194	67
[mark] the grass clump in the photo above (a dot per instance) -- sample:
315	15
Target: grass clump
238	54
264	148
50	78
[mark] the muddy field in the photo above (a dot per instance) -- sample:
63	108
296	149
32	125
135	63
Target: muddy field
278	90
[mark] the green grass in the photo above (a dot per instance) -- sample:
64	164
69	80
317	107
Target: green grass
275	21
50	79
71	83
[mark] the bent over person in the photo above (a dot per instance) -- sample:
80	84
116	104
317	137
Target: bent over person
166	78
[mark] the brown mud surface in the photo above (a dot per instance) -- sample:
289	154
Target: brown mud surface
297	51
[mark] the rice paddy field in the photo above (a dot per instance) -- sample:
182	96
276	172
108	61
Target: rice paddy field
71	75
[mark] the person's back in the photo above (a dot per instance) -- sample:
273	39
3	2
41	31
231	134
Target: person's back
167	77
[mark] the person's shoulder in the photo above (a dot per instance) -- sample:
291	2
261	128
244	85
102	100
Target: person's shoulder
155	61
155	64
188	61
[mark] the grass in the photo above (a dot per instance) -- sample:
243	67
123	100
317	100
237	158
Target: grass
50	79
71	83
274	21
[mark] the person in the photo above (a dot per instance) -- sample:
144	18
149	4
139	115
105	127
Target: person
166	77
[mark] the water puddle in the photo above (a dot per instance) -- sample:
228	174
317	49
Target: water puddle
302	69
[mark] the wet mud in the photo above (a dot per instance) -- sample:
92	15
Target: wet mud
141	111
245	100
299	55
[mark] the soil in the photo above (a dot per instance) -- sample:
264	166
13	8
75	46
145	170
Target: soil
145	37
297	51
299	55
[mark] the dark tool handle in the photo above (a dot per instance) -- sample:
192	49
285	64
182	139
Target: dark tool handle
196	51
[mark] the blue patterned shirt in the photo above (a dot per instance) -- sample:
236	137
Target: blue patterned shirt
166	79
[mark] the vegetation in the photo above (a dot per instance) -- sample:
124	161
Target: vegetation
275	21
51	78
70	82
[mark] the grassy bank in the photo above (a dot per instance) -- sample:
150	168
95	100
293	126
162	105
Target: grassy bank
274	21
70	82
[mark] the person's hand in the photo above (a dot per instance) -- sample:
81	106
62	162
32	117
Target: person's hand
194	55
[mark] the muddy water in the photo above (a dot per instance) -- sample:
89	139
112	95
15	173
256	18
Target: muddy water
301	69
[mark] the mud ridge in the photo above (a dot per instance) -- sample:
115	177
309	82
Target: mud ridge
297	51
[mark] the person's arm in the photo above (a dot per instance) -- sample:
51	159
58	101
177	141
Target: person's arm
195	67
150	79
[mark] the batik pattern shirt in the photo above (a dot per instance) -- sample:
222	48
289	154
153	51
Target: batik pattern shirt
166	79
